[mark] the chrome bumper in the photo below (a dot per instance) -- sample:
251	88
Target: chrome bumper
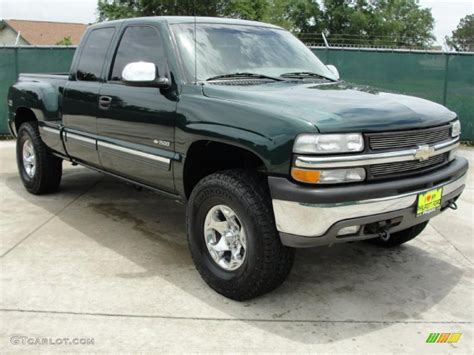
313	220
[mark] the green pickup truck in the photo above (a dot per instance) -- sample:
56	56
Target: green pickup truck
266	146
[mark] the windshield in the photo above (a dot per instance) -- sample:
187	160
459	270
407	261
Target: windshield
227	49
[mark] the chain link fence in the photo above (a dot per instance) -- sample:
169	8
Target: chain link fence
336	40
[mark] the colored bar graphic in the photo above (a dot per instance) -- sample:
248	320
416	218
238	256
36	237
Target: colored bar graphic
432	338
443	338
454	337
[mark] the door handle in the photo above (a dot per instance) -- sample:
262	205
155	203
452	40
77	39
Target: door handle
104	102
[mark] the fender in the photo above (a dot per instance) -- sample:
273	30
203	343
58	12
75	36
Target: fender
260	129
42	97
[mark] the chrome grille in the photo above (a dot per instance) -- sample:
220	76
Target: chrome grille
409	139
405	167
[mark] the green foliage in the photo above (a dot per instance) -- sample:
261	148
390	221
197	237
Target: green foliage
375	22
116	9
246	9
119	9
399	23
462	38
66	41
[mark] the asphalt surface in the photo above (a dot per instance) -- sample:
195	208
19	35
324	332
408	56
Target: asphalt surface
108	265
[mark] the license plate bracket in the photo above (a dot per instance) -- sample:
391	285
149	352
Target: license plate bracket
429	202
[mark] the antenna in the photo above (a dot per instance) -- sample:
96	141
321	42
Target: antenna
195	43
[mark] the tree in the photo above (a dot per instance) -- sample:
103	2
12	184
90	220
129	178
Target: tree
405	23
305	16
367	22
116	9
462	38
362	22
112	10
246	9
66	41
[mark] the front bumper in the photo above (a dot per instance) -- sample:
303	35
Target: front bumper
313	216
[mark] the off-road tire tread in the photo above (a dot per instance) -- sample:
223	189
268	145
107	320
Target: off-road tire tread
48	167
276	259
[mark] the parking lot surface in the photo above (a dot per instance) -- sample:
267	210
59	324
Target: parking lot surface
100	260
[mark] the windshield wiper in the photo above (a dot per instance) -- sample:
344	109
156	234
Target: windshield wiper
304	74
243	75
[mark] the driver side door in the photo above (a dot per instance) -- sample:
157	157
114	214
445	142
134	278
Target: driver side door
136	124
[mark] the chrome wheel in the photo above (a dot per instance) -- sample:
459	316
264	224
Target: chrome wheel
29	158
225	237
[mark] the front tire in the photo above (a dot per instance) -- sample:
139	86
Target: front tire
232	235
400	237
40	171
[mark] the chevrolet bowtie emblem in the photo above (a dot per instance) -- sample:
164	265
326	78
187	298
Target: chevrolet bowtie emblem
424	152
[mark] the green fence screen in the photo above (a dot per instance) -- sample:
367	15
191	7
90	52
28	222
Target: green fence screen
444	78
15	60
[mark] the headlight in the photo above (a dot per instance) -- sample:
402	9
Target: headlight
456	128
328	176
328	143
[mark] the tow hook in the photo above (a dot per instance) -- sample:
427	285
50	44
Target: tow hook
385	235
453	205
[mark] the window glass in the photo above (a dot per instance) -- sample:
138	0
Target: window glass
138	44
227	48
93	54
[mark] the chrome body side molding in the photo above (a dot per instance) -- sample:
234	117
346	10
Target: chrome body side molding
50	130
134	152
80	138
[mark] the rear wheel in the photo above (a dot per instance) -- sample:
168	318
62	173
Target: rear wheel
400	237
232	235
40	171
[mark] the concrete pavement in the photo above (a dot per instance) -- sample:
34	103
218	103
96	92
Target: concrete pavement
101	260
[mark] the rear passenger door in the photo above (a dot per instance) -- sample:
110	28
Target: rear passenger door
136	124
80	100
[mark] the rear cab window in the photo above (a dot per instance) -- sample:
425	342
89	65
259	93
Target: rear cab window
91	61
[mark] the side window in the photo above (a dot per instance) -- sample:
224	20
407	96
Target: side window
138	44
92	57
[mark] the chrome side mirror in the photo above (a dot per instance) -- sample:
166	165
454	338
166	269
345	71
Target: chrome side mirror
333	70
143	74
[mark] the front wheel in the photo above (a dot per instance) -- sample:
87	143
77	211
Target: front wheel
40	171
232	235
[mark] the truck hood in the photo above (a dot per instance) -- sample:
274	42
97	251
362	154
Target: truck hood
337	107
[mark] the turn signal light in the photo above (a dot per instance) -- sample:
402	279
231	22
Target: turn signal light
328	176
307	176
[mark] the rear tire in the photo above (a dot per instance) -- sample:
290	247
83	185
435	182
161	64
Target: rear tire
401	237
240	200
40	171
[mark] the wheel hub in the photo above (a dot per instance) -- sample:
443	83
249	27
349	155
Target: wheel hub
29	158
225	237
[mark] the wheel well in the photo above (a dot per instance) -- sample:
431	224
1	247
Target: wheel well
23	115
207	157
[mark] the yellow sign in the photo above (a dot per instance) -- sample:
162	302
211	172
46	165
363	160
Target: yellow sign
429	201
